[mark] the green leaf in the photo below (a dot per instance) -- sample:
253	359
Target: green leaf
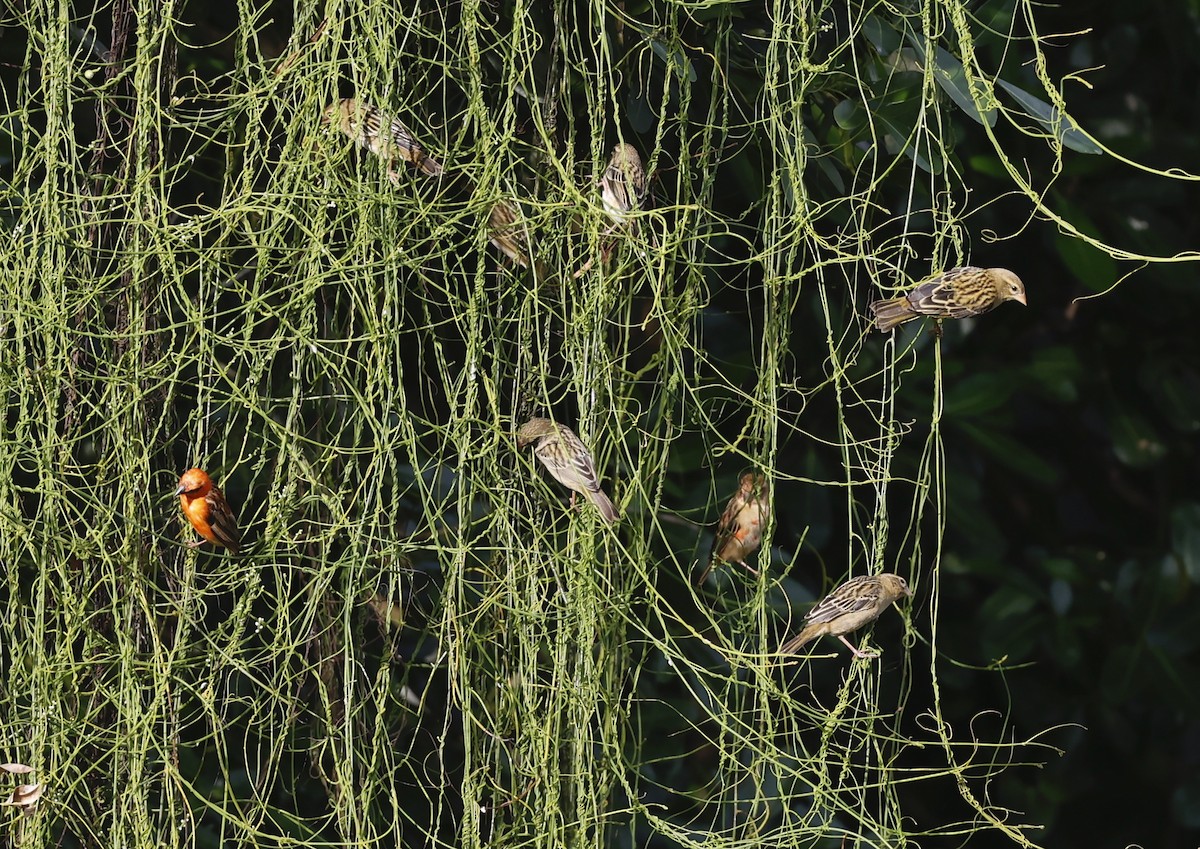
899	121
1175	387
641	115
1185	802
849	115
824	162
1185	538
675	60
1057	371
1135	443
1060	596
1009	452
895	116
883	37
1090	265
1061	569
1055	121
951	76
988	165
831	172
980	393
1007	602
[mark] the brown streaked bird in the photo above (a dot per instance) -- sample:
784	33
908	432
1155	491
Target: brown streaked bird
961	292
740	528
208	511
507	231
568	460
380	133
854	604
623	186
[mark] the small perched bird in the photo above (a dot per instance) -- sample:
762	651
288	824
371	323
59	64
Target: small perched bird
508	232
740	528
855	603
568	460
207	510
623	186
958	293
623	189
380	133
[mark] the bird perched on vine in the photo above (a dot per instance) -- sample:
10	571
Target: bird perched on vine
508	231
852	605
623	186
568	460
208	511
380	133
961	292
740	528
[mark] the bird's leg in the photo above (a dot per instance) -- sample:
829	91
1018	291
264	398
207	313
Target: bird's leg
610	245
584	270
196	543
606	250
937	328
749	568
572	501
861	653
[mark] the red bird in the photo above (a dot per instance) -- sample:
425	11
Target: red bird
207	510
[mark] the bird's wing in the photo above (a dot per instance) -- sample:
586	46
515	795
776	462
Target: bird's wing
222	521
626	179
569	461
729	525
618	187
860	593
403	139
508	232
410	149
363	124
938	297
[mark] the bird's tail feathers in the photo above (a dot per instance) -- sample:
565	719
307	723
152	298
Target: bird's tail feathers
794	644
604	505
891	312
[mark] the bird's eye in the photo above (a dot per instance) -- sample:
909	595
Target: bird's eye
1014	288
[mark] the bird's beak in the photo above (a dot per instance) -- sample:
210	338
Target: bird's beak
1021	298
180	490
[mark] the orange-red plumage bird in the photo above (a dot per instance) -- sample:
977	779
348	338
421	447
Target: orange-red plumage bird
207	510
